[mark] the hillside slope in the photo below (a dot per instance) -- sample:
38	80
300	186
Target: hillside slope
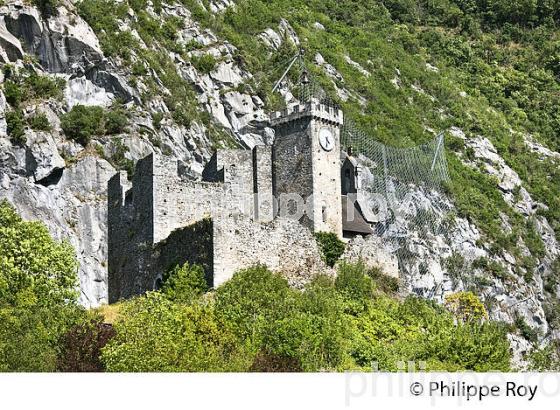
182	78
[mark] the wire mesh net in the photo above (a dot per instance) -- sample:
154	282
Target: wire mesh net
408	181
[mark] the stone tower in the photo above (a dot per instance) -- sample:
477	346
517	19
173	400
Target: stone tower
306	165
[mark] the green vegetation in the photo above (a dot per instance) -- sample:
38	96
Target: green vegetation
160	34
39	122
466	306
82	122
526	331
118	158
38	294
25	86
546	358
185	283
331	247
265	325
16	126
254	322
205	63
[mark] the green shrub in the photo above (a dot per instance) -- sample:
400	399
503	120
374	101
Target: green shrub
252	298
40	122
353	283
156	120
15	127
118	158
13	93
82	122
185	284
526	331
38	297
466	306
204	64
115	121
80	346
43	87
156	335
331	247
545	359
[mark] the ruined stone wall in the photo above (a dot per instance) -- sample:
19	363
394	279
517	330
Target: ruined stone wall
283	245
131	233
262	180
179	202
119	215
192	244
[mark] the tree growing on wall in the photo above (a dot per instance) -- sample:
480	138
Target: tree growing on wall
331	247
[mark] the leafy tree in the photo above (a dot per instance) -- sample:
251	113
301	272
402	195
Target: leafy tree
33	267
185	283
251	299
314	333
38	293
155	334
81	345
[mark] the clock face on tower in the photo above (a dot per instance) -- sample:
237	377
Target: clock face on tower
326	139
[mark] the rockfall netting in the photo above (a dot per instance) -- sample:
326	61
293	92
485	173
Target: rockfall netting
404	185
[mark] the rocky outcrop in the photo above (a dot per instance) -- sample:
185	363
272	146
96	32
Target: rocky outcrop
43	162
10	47
80	90
59	42
372	252
72	204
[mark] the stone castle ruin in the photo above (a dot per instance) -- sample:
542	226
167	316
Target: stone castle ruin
259	205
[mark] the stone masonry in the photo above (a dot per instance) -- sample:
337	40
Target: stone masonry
251	206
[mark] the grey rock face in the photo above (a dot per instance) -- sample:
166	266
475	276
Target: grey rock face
59	42
72	205
10	47
80	90
42	157
113	83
